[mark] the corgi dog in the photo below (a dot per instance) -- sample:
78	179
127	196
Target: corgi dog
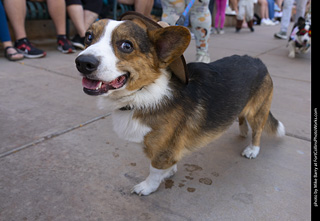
170	107
300	38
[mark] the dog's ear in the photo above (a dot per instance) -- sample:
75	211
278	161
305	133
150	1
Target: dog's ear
301	22
170	43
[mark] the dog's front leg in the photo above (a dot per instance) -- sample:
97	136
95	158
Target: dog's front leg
292	49
153	181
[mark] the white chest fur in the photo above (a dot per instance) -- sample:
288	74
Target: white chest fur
128	128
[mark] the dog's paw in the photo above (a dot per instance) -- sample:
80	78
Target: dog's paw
145	188
171	172
291	55
251	152
154	180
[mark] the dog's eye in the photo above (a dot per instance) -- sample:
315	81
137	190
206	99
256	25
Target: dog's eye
125	46
88	38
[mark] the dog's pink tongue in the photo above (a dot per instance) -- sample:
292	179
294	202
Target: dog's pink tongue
90	84
118	82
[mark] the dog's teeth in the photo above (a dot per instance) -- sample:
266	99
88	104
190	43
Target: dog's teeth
99	85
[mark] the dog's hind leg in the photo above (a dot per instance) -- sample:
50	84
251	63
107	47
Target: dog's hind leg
258	109
243	126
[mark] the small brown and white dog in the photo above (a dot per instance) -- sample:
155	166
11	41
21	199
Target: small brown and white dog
169	107
300	38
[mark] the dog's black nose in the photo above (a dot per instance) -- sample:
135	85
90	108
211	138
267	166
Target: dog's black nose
86	64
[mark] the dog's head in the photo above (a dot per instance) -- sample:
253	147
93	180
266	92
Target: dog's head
303	32
122	57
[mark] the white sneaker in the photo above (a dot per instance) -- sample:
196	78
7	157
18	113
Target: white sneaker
266	21
277	14
229	11
192	35
202	57
271	22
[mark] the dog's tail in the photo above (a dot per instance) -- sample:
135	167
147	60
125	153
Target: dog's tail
274	127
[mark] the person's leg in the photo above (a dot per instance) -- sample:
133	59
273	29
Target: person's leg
4	34
211	6
223	14
10	52
286	15
144	7
57	11
240	15
301	9
92	9
218	14
16	12
271	8
200	18
263	8
76	13
249	15
234	5
89	18
171	10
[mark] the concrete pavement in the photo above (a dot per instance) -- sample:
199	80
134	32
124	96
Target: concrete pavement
60	159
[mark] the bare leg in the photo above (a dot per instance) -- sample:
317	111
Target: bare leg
142	6
81	19
234	5
76	14
16	12
89	18
57	10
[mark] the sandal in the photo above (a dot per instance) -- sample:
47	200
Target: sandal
10	56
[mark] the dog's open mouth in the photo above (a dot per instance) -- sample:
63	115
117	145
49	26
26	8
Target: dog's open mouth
95	87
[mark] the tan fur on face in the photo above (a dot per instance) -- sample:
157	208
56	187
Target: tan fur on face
153	50
97	29
141	63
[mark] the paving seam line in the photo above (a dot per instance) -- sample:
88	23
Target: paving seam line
48	70
56	134
50	136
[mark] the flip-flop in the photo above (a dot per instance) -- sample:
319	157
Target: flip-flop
10	56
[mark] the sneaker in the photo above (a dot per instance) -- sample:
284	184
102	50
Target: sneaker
266	21
215	30
78	42
25	47
221	32
229	11
192	35
64	45
278	14
202	57
281	35
275	21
